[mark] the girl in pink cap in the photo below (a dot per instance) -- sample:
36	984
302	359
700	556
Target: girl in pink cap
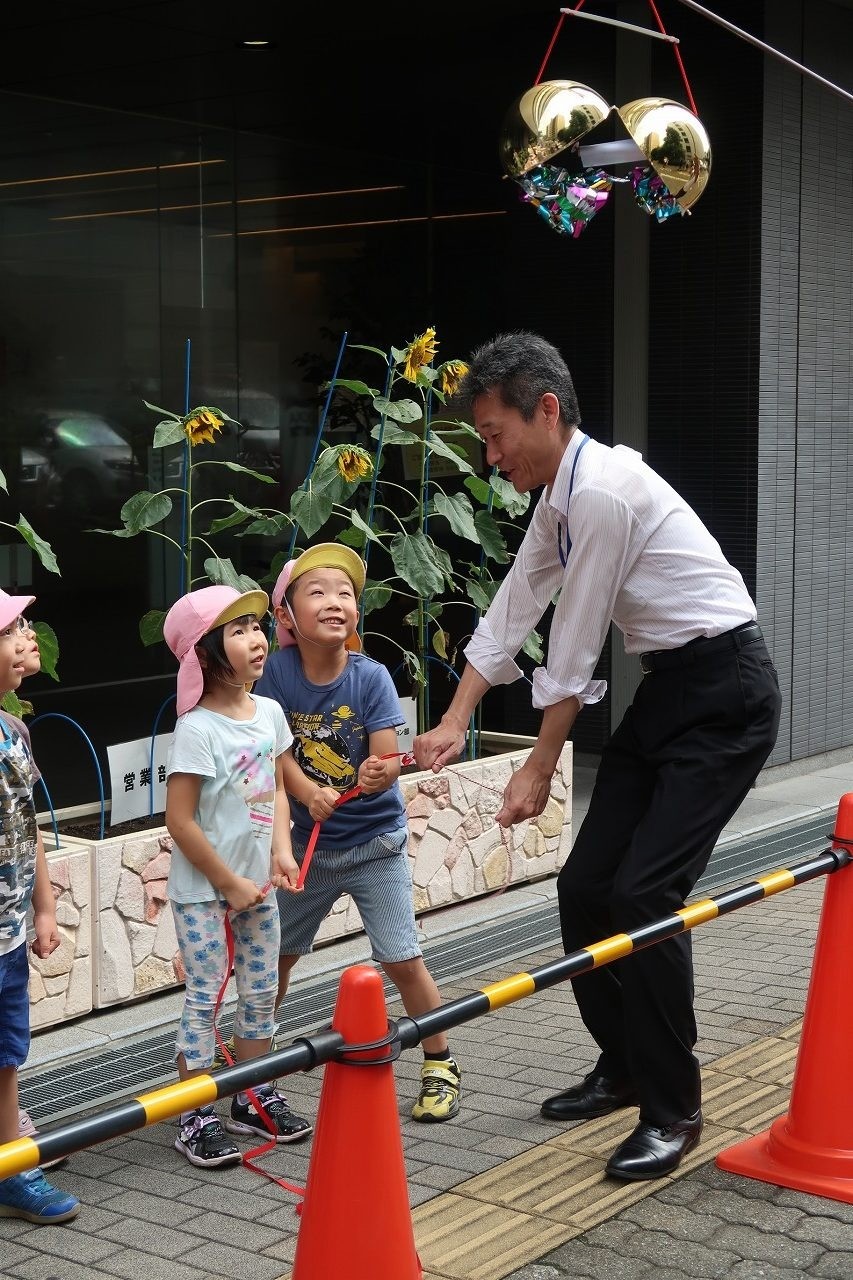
227	812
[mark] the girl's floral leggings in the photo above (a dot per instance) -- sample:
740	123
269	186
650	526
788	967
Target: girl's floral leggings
200	929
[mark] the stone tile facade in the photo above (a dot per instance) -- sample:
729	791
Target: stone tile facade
61	985
456	849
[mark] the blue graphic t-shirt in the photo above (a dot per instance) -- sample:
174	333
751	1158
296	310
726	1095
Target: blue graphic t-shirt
331	725
18	775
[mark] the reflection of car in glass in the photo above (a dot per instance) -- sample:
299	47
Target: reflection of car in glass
93	466
38	484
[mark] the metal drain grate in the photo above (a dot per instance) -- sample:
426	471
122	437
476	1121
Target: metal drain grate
137	1065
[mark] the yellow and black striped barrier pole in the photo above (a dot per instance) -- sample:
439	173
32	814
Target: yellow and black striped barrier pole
325	1046
508	990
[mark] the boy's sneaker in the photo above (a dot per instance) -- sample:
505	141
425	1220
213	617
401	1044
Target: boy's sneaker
26	1129
245	1119
29	1195
204	1142
439	1096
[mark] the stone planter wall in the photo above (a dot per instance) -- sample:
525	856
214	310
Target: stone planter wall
456	850
61	985
135	949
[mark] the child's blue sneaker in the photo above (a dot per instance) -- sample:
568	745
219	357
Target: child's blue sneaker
30	1195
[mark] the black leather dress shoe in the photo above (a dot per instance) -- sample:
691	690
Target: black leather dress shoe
653	1151
594	1096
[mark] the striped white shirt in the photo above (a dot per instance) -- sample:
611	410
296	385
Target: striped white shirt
640	557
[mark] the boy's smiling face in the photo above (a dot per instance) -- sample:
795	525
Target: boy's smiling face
14	643
324	606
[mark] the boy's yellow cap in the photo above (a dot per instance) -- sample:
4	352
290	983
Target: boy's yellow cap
325	555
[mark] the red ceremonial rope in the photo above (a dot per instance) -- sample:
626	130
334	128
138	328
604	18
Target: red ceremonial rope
405	759
249	1156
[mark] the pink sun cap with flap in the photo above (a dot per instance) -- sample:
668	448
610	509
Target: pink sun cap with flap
192	617
12	607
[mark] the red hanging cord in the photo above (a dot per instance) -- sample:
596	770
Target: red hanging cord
677	53
662	30
557	31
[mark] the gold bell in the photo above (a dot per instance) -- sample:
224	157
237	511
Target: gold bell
674	142
546	120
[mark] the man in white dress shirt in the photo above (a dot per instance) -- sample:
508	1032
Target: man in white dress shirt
621	546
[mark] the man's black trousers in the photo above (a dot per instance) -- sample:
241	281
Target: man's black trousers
675	770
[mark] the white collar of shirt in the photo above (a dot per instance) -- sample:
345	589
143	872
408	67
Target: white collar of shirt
558	494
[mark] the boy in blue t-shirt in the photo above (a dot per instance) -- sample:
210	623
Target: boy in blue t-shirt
343	710
24	881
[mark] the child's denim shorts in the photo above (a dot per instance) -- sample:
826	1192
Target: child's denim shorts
377	876
14	1007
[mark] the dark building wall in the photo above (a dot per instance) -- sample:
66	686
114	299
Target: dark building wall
805	529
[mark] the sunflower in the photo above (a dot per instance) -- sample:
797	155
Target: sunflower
452	374
419	352
354	463
201	424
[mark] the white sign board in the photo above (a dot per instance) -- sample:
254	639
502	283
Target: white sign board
407	732
132	778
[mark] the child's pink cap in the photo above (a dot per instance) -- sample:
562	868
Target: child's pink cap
192	617
12	607
326	555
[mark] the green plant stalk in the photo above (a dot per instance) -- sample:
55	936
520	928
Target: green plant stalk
423	630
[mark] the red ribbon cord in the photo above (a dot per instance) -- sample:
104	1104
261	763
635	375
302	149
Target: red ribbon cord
249	1156
405	758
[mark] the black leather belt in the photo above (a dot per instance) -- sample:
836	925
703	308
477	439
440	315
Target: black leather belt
698	650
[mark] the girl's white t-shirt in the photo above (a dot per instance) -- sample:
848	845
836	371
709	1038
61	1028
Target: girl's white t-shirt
236	761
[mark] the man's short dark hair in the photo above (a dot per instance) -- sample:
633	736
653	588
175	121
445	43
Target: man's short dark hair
521	367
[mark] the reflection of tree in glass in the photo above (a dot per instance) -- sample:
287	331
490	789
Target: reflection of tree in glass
580	122
672	150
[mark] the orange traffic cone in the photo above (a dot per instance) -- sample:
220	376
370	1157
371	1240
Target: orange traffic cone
811	1148
356	1222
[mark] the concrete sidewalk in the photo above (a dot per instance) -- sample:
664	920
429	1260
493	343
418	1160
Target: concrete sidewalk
499	1192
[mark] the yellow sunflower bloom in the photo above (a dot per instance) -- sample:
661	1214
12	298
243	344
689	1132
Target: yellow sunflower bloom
354	463
420	352
451	375
201	426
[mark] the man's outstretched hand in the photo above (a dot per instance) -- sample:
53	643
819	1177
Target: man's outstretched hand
439	746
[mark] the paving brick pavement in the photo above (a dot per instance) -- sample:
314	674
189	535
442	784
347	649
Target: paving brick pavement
148	1213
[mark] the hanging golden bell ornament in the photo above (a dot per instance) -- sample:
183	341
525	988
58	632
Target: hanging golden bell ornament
546	120
674	142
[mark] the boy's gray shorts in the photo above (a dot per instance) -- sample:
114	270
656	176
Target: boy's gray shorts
377	876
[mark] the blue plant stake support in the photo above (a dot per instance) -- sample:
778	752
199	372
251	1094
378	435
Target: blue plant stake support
52	812
58	715
163	705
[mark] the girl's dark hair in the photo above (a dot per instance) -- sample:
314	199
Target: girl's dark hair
212	644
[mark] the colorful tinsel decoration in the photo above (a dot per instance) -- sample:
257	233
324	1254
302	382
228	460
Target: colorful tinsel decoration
569	201
652	194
